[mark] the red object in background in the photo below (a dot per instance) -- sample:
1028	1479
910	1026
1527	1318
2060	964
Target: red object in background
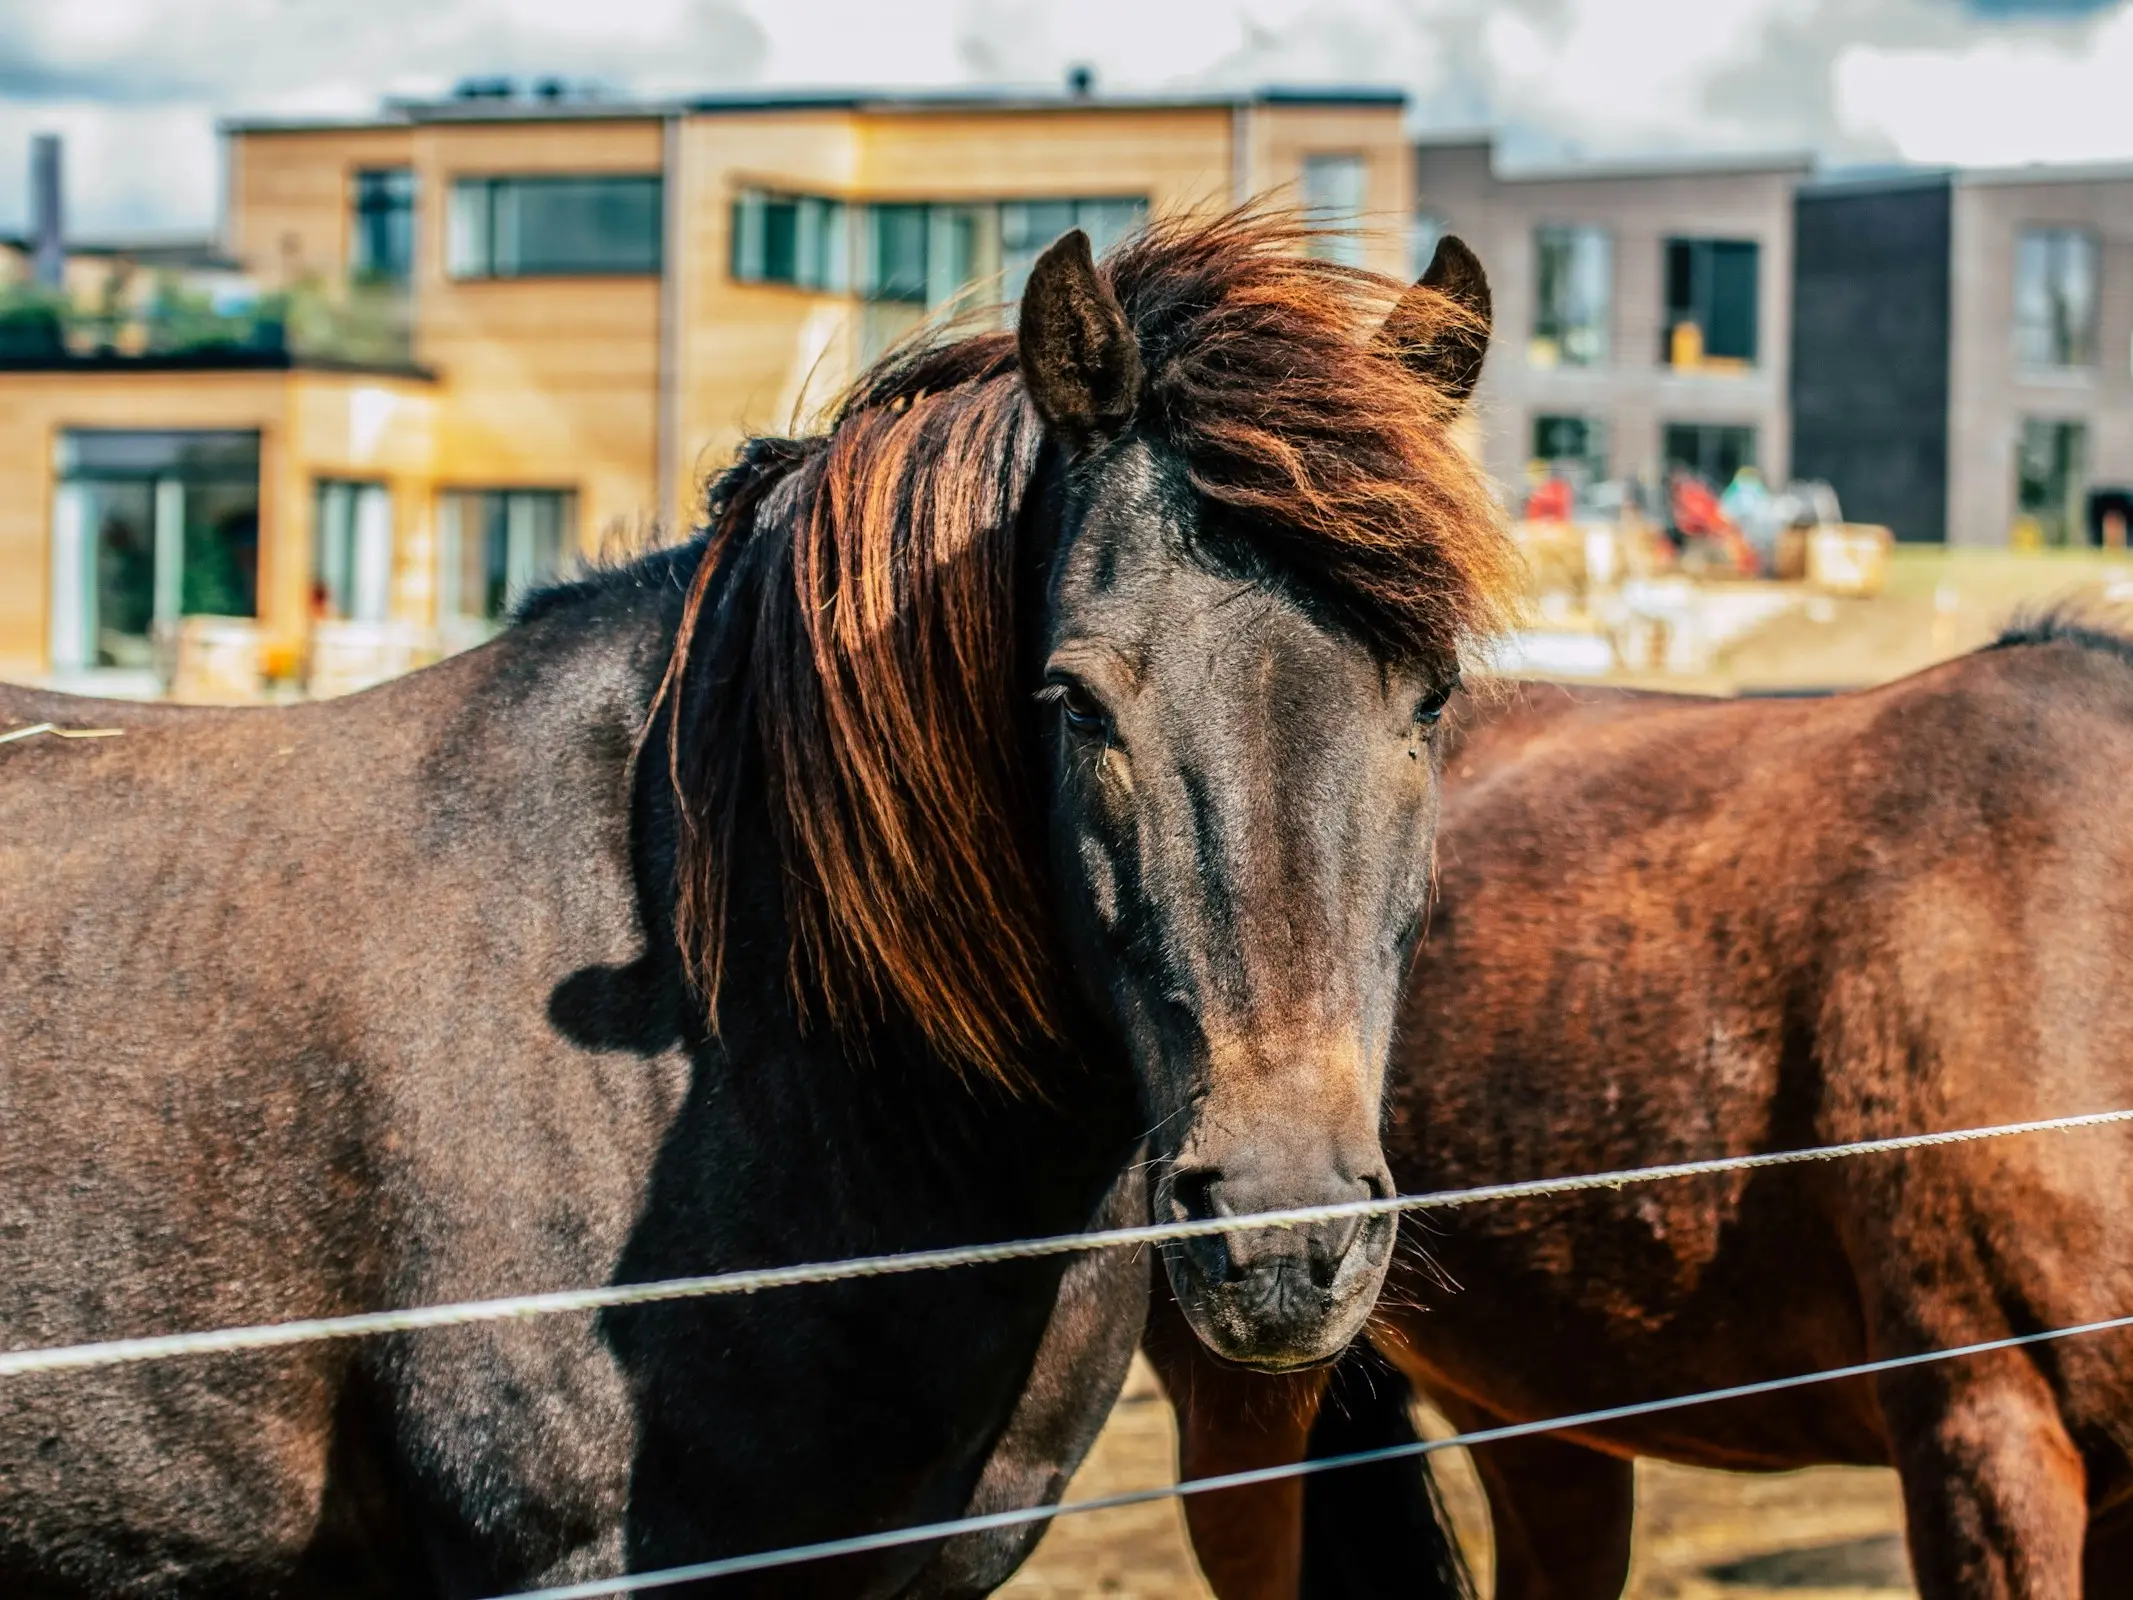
1696	511
1549	502
1697	515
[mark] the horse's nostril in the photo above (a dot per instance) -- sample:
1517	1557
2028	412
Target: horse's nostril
1192	1191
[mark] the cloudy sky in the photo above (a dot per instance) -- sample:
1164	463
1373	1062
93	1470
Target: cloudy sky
135	85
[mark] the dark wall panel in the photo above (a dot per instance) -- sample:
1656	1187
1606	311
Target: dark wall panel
1870	351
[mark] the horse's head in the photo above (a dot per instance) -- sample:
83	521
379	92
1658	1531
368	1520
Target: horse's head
1242	673
1206	508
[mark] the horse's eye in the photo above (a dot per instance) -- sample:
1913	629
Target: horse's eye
1432	705
1083	712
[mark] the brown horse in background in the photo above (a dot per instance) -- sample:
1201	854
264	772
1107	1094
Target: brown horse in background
1672	928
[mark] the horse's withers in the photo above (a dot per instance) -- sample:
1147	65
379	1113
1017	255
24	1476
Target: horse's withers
1244	787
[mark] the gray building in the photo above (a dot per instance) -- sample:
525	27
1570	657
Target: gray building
2040	361
1643	313
1963	350
1953	351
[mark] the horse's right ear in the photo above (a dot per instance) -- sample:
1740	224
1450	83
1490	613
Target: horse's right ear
1080	361
1440	329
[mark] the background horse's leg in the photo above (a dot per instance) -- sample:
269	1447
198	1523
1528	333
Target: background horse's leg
1378	1528
1561	1514
1995	1495
1249	1541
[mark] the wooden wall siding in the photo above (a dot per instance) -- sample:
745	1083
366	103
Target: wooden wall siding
543	382
287	212
1177	157
556	382
1282	137
746	352
310	424
752	356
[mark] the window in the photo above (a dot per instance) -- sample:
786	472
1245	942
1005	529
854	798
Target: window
2055	298
382	231
1333	200
554	227
352	552
918	258
1423	233
148	528
1028	227
496	544
1710	304
1575	447
797	239
1573	294
1715	451
2051	462
896	253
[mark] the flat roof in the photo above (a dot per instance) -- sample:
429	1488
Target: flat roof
2049	172
209	358
1614	169
533	108
164	250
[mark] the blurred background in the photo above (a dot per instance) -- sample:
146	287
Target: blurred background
327	328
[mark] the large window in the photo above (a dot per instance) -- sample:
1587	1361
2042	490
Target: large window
382	225
786	238
1573	446
554	226
1333	201
1713	450
1424	233
2055	298
352	551
909	259
149	528
495	545
1573	293
1027	227
1710	303
2051	467
918	258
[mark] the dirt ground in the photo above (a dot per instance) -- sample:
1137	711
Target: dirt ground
1830	1534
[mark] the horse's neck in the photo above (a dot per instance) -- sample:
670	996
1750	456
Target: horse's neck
888	1132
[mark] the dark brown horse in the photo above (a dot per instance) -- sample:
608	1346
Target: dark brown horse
1668	929
1041	756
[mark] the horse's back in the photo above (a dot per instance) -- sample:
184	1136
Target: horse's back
277	990
1674	928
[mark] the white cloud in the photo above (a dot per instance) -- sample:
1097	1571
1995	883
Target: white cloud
2054	97
135	84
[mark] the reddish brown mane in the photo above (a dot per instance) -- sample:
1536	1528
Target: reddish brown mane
852	625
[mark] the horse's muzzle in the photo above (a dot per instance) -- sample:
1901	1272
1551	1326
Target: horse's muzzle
1277	1298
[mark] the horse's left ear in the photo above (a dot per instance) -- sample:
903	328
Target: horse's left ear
1079	358
1440	329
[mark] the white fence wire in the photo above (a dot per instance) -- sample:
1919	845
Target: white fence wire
460	1313
890	1539
118	1352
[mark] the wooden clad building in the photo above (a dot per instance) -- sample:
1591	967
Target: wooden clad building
491	332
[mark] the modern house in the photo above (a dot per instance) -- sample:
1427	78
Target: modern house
1965	356
475	337
1951	351
1643	312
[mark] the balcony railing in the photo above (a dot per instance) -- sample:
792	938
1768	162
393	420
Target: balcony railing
350	324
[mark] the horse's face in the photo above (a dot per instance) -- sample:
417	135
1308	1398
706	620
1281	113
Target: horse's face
1243	807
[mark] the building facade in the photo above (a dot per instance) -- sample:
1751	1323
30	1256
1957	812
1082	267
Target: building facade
1642	313
489	334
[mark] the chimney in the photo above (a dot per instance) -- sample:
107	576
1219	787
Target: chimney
48	223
